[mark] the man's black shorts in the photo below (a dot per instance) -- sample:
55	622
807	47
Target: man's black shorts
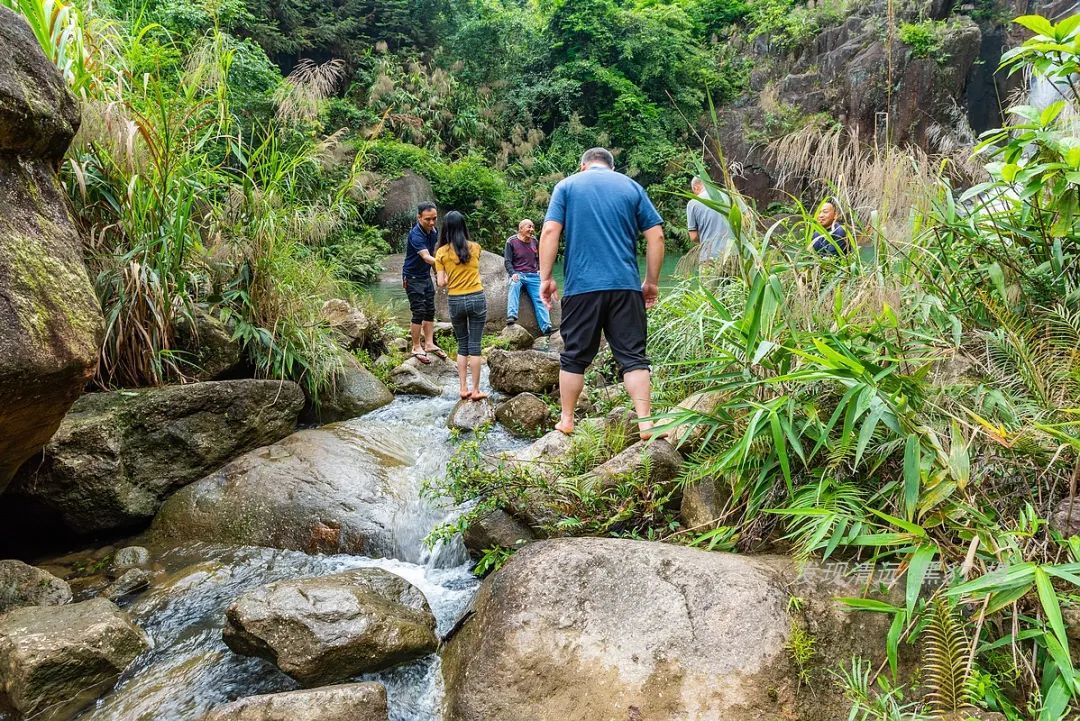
421	293
619	314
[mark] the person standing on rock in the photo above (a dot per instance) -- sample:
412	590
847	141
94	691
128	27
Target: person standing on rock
602	213
416	280
522	259
708	227
457	268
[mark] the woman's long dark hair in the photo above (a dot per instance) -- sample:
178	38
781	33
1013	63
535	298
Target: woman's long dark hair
456	235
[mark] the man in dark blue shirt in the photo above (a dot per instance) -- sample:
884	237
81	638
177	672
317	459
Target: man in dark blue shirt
416	280
603	213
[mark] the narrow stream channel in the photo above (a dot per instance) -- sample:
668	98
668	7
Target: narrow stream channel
190	670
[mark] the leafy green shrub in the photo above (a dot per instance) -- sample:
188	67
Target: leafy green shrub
925	38
355	253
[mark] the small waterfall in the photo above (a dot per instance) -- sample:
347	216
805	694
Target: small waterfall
190	670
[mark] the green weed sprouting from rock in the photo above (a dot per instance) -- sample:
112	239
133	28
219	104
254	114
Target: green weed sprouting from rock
802	649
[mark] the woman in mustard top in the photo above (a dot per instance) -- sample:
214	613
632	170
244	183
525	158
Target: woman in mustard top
457	267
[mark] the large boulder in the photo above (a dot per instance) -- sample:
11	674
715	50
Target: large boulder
324	490
344	702
328	629
118	455
25	585
496	286
207	346
50	318
523	371
525	415
593	629
55	660
355	391
402	195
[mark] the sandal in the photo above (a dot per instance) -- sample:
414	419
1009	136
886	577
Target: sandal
439	353
422	357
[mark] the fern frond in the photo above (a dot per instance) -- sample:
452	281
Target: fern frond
945	660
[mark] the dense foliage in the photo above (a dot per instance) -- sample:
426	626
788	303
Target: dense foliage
913	403
911	406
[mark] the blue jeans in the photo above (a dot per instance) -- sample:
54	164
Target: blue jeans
531	281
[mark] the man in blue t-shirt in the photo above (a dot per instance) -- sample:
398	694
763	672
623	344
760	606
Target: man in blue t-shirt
416	280
602	213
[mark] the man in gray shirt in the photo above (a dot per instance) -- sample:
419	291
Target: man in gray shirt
708	228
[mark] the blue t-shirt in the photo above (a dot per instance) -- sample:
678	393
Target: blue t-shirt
418	240
602	213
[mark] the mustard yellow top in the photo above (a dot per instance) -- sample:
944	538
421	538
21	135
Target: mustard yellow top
461	279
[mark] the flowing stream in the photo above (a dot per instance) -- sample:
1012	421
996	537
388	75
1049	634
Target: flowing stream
190	670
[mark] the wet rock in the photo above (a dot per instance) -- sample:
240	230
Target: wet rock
331	628
524	371
55	660
207	346
353	327
356	391
415	378
118	455
50	318
470	415
588	628
325	490
132	580
497	529
524	415
344	702
127	558
24	585
516	337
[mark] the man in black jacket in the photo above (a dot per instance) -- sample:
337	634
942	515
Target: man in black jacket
522	259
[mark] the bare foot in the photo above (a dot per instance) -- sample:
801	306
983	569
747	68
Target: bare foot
464	393
565	426
478	395
647	433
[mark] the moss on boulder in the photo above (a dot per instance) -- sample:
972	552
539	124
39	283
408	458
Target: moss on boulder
50	319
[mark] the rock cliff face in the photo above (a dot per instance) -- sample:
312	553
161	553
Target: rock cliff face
50	321
851	73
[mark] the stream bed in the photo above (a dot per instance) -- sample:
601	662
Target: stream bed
189	670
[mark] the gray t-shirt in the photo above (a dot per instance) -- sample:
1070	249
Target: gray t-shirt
714	231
